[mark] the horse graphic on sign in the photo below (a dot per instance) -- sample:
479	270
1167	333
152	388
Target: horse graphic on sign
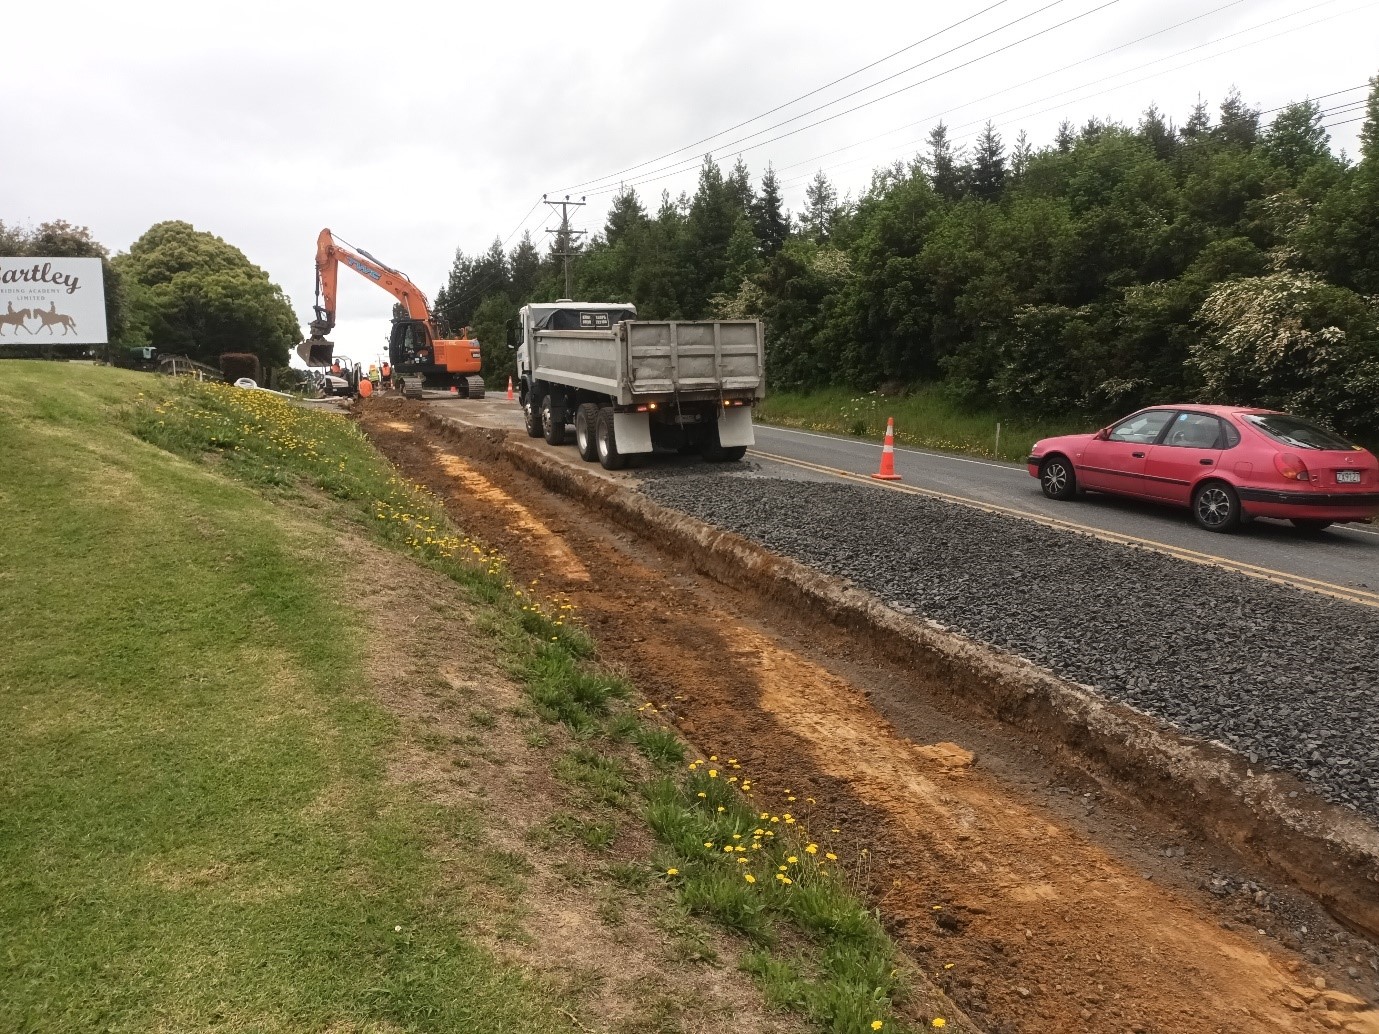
50	318
15	318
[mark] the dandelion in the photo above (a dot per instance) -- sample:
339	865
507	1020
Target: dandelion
721	809
787	881
701	794
830	856
713	773
672	871
939	1021
708	843
749	877
727	848
743	861
811	849
876	1024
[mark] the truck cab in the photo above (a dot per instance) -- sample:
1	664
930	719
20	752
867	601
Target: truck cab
561	314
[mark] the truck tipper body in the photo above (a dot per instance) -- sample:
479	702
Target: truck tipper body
631	386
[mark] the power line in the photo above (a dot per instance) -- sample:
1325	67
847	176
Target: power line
680	166
1018	86
1319	97
793	100
1135	82
874	100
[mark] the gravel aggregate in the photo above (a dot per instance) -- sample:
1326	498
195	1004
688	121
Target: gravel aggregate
1285	677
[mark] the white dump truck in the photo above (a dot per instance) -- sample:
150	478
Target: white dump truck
631	386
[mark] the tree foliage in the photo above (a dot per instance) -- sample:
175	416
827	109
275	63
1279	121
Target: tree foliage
192	293
1221	258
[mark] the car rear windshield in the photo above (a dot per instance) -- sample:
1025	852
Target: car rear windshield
1299	433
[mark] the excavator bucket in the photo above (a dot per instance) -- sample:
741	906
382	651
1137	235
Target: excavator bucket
316	351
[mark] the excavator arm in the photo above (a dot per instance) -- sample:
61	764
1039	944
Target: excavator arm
330	253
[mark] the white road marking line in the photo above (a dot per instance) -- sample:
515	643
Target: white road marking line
899	448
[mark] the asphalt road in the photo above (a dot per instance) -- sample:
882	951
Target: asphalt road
1346	557
1342	560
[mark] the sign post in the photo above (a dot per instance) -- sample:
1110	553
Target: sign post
52	301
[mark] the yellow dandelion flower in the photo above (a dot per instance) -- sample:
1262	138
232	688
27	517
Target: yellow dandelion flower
702	794
728	848
876	1024
708	843
672	871
830	856
756	847
939	1021
743	861
811	848
713	773
787	881
792	859
749	877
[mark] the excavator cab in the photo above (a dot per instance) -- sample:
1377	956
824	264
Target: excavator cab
409	343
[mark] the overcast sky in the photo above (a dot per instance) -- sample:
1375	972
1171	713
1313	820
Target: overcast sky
411	134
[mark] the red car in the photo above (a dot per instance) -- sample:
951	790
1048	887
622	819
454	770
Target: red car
1227	463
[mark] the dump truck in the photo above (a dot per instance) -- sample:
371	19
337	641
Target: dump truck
631	386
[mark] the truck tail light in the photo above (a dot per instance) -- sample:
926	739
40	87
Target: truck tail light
1291	466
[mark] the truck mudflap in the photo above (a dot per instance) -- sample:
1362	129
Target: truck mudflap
735	427
632	432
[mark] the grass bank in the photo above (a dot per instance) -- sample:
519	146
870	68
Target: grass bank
197	827
924	418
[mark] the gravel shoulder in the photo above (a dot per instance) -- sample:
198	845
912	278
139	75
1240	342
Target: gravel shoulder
1285	677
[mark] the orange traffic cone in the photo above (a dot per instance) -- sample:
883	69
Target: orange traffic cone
454	389
887	471
509	388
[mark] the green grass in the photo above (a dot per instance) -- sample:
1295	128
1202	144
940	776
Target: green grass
925	418
195	829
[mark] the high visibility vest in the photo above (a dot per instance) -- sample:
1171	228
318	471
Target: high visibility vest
387	370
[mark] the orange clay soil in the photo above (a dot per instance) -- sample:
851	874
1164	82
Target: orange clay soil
1033	915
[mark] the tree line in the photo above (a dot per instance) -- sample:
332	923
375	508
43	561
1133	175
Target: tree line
182	290
1222	259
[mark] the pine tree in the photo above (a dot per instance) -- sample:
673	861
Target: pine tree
525	263
1198	124
625	214
1020	156
820	201
989	165
771	224
943	164
1297	140
1239	122
1369	132
1065	138
1157	133
739	187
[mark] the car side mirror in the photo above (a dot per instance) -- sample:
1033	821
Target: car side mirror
1102	435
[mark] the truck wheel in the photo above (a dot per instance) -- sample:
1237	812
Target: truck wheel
531	415
553	420
586	420
607	443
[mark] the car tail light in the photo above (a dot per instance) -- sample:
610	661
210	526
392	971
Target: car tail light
1291	466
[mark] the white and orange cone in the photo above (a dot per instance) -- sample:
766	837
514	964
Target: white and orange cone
887	471
509	388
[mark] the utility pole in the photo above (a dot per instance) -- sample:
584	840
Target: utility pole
566	235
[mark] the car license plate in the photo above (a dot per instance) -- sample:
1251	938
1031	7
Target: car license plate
1347	477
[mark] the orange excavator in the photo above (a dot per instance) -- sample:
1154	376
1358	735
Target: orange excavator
418	357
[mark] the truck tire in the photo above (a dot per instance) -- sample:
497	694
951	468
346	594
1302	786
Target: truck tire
531	415
586	421
552	420
607	442
715	453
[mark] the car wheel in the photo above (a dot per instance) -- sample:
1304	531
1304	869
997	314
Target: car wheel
552	420
1057	479
586	417
1216	507
531	416
607	442
1310	524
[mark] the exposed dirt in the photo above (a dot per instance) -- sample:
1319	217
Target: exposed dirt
1037	909
469	742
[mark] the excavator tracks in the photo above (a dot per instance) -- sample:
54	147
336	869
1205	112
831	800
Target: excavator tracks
475	387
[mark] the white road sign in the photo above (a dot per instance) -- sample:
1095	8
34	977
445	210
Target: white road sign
51	301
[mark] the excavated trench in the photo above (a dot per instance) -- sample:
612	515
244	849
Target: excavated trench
1017	864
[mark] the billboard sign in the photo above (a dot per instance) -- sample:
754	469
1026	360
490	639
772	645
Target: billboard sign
52	301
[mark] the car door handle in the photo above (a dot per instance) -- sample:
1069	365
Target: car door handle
1138	455
1206	463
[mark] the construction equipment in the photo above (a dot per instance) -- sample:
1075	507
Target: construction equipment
418	357
632	386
